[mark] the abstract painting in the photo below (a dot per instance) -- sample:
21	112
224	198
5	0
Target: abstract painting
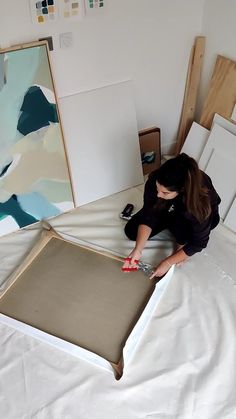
34	176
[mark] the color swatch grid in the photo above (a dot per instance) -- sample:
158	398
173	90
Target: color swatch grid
95	3
45	10
70	8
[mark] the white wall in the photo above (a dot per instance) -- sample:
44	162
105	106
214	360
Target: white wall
147	41
219	27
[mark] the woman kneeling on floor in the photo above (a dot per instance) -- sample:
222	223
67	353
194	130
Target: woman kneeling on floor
181	198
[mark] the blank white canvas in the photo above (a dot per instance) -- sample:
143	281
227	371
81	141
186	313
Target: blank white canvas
220	140
195	141
222	171
224	123
102	141
230	219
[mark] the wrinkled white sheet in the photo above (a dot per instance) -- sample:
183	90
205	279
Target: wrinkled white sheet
184	366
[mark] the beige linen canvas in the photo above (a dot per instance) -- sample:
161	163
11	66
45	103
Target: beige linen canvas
78	295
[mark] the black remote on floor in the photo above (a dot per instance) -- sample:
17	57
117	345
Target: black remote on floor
126	214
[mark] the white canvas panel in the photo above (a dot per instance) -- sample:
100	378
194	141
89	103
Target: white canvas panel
195	141
220	140
222	171
224	123
102	140
230	219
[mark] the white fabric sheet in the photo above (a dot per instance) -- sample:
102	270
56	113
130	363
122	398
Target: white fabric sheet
184	366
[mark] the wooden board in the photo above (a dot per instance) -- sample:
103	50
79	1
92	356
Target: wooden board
150	149
78	295
221	96
191	91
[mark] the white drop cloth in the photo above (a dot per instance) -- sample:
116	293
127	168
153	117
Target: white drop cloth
184	367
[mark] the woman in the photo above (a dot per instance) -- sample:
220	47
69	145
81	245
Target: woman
180	197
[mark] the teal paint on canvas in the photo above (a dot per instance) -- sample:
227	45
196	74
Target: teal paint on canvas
13	208
36	111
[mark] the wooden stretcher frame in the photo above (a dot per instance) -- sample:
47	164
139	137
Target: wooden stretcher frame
46	237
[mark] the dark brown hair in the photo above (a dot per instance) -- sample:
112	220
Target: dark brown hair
182	174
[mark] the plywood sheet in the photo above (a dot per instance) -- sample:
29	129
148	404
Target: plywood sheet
222	171
221	140
102	137
195	141
80	296
221	96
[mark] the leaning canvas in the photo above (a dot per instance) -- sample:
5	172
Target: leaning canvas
34	176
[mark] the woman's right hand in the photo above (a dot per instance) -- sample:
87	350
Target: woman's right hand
133	256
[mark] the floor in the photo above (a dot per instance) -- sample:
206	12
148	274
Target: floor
184	365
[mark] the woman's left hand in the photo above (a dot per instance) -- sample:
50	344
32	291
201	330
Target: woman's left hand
161	269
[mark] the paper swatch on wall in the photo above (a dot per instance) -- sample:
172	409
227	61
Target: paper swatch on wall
70	9
93	5
45	11
34	177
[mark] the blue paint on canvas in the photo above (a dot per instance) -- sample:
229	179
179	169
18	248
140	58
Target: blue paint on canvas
38	206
